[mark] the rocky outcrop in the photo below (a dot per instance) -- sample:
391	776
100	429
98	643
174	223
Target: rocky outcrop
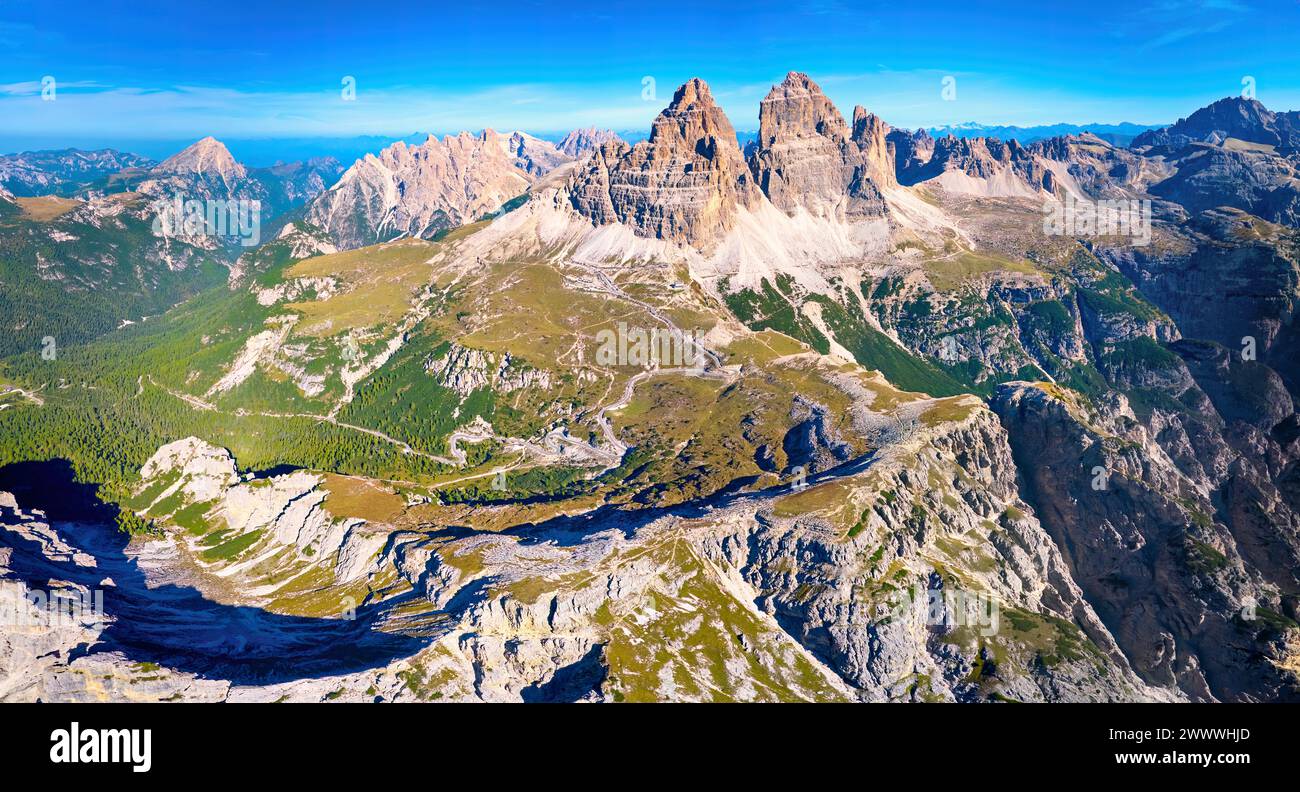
281	511
466	370
1235	281
1169	580
894	609
420	190
201	470
1259	182
982	166
684	184
1098	169
533	156
296	241
581	142
1232	117
807	157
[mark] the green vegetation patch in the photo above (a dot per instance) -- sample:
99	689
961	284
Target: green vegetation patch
232	548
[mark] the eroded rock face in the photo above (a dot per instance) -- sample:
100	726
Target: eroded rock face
683	184
799	160
1210	176
1097	168
533	156
59	601
983	165
581	142
871	137
807	156
1238	279
36	633
421	190
466	370
842	600
1185	594
1235	117
910	150
90	614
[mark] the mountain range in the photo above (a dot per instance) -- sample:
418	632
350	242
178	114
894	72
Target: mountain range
846	413
1120	134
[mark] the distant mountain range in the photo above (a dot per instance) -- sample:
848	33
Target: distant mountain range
1116	134
266	152
57	172
263	152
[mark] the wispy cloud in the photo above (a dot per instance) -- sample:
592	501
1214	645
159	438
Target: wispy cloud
1178	34
1177	20
33	87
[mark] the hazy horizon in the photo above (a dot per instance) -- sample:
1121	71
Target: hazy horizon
264	151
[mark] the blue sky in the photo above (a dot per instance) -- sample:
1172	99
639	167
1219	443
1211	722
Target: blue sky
183	69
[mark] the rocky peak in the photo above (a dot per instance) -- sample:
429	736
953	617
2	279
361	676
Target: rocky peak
998	167
533	155
871	136
207	157
807	157
1231	117
581	142
797	108
683	184
693	122
910	150
439	184
867	124
1097	167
